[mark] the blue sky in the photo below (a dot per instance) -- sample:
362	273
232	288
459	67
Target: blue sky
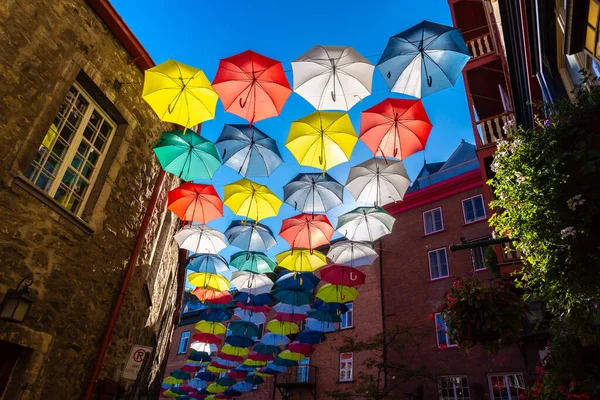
200	33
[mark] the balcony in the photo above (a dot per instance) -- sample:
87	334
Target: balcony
495	128
302	378
481	46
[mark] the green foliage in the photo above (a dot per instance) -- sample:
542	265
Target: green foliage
490	259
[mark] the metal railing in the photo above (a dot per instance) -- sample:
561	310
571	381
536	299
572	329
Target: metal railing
481	46
495	128
298	375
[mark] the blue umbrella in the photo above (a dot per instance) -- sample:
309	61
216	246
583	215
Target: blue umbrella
197	383
215	315
274	339
311	337
267	349
245	367
206	376
253	300
250	236
271	370
248	151
232	392
226	381
209	263
243	328
423	59
239	341
321	326
199	356
291	309
179	374
228	363
254	379
323	316
297	281
310	193
243	387
282	362
293	297
330	308
276	368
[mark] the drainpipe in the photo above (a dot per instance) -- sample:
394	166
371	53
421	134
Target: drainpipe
382	312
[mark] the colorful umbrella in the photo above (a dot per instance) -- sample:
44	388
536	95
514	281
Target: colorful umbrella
198	383
212	296
230	357
252	86
293	297
301	348
274	369
274	339
206	376
239	341
235	351
201	239
366	224
283	317
351	253
395	128
311	337
187	156
260	357
324	316
195	202
206	347
267	349
291	309
332	77
208	281
243	387
226	381
251	316
238	374
179	374
254	309
258	263
171	380
288	355
282	328
248	151
306	231
322	139
215	315
232	392
310	193
302	281
339	274
207	263
198	356
217	370
207	338
214	328
337	293
301	260
254	363
251	283
215	388
253	379
282	362
378	181
244	328
424	59
321	326
179	94
250	299
251	200
250	236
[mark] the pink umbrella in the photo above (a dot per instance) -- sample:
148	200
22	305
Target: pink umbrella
283	317
302	348
338	274
260	357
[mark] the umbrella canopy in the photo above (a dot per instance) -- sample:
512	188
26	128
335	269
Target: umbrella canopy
365	224
291	309
214	328
198	383
248	151
294	297
337	293
282	328
288	355
216	370
272	368
267	349
324	316
282	362
201	239
206	376
423	59
252	86
258	263
301	260
302	281
216	388
234	350
251	200
226	381
339	274
395	128
218	315
179	93
232	392
251	283
378	181
213	296
253	379
207	263
260	356
251	316
311	337
249	299
254	309
187	156
274	339
244	328
250	236
208	281
322	139
283	317
332	77
239	341
321	326
195	202
254	363
207	338
310	193
230	357
243	387
179	374
171	380
351	253
173	392
198	356
237	374
206	347
301	348
307	231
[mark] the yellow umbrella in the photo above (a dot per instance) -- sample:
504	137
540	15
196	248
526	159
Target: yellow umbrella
209	281
301	260
251	200
171	380
263	375
216	370
216	328
282	327
216	388
322	139
235	351
254	363
289	355
179	93
169	393
337	293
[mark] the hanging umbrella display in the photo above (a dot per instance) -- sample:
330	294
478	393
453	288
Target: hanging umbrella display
198	383
251	316
230	357
251	200
207	263
283	317
254	363
365	224
206	376
248	151
215	315
423	59
260	357
235	351
171	380
252	86
215	388
250	236
214	328
208	281
178	374
351	253
201	239
395	128
226	381
217	370
311	337
212	296
253	379
301	348
288	355
302	281
293	297
306	231
378	181
311	193
337	293
282	328
267	349
332	77
179	93
274	339
187	156
250	299
239	341
198	356
321	326
205	347
322	139
251	283
324	316
195	202
254	309
301	260
238	374
251	261
207	338
274	369
282	362
244	328
232	392
339	274
243	387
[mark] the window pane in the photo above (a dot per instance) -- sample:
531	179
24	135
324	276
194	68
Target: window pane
428	222
437	214
478	257
433	265
478	205
443	262
468	211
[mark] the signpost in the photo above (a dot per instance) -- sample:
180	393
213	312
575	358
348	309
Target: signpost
135	361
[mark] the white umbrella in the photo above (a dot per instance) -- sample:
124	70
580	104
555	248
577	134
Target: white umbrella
378	181
201	239
205	347
351	253
251	283
365	224
249	316
332	77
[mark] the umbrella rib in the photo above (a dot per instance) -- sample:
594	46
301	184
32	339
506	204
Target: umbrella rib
437	65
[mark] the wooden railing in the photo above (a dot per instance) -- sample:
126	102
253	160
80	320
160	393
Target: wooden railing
481	46
495	128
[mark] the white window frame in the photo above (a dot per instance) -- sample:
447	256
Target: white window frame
181	341
345	315
348	370
72	148
303	371
438	267
505	375
437	331
433	221
481	250
455	397
463	201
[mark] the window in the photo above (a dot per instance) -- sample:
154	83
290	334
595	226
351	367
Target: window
302	371
432	221
592	44
473	209
346	367
478	256
506	386
443	339
347	317
69	157
183	342
438	264
454	388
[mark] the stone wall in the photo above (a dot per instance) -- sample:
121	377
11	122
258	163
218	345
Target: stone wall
78	263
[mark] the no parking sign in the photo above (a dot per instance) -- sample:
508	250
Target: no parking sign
134	363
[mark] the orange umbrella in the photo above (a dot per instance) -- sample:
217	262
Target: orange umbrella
252	86
195	202
307	231
212	296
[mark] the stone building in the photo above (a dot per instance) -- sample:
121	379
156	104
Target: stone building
77	175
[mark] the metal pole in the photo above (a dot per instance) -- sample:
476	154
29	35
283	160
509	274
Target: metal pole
479	243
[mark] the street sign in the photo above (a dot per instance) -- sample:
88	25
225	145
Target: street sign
135	361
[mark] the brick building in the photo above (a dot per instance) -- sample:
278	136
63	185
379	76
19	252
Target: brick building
78	173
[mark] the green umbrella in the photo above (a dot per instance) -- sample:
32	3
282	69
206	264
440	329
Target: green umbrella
258	263
243	328
189	156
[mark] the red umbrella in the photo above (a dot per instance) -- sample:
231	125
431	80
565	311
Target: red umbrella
395	127
187	388
307	231
216	364
207	338
195	202
283	317
338	274
230	357
190	368
253	308
212	296
302	348
252	86
260	357
237	374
